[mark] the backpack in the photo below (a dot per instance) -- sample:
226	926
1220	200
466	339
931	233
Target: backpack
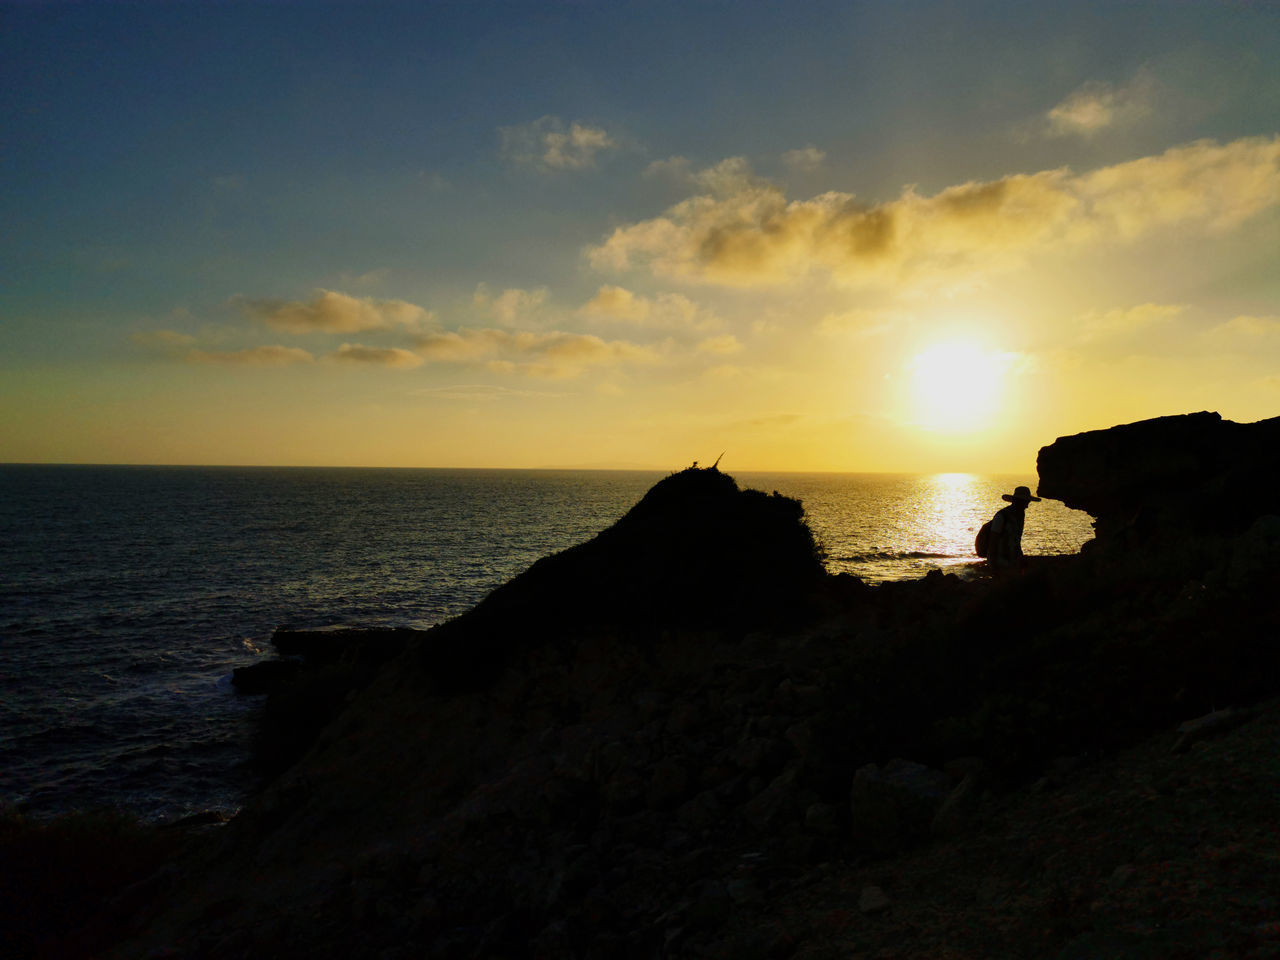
982	543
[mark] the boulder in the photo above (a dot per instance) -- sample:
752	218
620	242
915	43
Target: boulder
773	804
894	805
957	811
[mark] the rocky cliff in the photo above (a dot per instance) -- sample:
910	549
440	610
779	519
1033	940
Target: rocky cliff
643	745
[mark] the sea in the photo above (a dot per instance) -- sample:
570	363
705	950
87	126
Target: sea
129	594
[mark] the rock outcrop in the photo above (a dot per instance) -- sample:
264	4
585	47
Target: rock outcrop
634	747
1194	474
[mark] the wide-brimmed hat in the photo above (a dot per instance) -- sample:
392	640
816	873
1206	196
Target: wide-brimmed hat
1020	493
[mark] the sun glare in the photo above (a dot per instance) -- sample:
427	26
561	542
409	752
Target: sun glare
956	386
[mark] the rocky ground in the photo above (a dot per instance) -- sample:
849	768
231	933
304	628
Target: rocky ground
684	739
1144	853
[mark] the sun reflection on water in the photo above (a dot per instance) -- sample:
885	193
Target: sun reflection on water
950	508
898	527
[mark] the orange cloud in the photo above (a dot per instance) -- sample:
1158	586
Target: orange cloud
333	312
551	354
378	356
670	311
513	307
744	231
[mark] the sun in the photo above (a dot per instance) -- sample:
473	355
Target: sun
956	386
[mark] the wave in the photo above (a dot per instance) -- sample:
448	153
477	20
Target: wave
891	555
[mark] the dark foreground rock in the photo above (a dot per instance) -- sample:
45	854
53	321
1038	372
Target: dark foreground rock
317	674
643	746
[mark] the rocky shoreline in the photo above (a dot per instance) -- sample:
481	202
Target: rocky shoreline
666	740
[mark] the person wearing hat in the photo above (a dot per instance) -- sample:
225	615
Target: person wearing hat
1005	546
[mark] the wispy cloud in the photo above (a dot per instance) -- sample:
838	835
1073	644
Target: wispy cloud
722	345
512	307
1094	107
551	354
369	278
667	311
547	145
1128	322
744	231
856	323
333	312
376	356
1246	332
673	168
805	160
272	356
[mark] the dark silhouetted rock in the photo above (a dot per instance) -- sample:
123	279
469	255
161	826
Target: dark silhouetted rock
325	666
366	646
1191	474
696	551
267	676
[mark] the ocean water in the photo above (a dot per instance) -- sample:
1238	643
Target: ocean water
128	594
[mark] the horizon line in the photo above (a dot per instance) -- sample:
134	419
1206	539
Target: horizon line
546	468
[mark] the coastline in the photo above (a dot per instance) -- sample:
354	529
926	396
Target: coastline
662	741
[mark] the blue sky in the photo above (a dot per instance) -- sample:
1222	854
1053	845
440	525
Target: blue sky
583	233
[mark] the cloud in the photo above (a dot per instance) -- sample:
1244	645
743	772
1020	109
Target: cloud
377	356
162	339
805	160
1096	106
857	323
1120	323
333	312
1253	326
550	354
673	168
369	278
722	345
513	307
668	311
1245	331
546	145
273	356
744	231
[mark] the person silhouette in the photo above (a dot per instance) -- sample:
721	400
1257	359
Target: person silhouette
1005	549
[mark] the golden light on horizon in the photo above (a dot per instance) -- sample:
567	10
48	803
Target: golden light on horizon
956	386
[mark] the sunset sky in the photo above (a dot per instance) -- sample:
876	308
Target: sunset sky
814	236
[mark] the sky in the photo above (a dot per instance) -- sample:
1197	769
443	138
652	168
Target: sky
887	236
